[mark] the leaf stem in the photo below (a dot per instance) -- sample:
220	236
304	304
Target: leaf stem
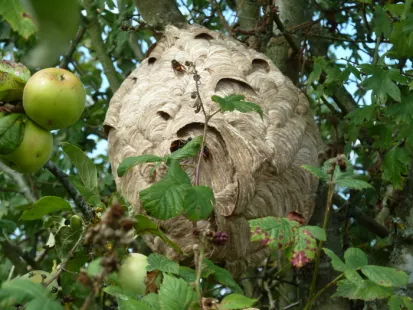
64	263
199	261
320	292
329	202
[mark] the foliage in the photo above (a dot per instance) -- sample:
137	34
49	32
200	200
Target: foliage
366	53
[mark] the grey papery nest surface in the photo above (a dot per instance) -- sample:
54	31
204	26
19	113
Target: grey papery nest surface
254	164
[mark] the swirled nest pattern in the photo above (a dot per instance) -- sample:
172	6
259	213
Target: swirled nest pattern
254	164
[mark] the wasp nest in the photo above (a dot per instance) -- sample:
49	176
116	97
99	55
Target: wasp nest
252	164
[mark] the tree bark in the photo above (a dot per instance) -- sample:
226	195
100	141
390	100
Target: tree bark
160	13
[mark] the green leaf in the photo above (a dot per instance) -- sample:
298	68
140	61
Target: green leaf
66	238
317	172
11	131
21	291
199	202
385	276
152	300
165	199
94	268
43	206
84	165
189	150
131	162
162	263
131	304
188	274
304	248
381	23
395	165
402	112
355	258
316	232
236	102
353	276
13	77
337	263
359	115
7	225
366	290
236	301
277	233
221	275
353	183
145	225
400	302
382	86
175	294
319	65
12	11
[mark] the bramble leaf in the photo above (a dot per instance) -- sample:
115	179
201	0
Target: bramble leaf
131	162
236	102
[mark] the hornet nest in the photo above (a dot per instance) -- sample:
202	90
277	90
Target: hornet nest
253	164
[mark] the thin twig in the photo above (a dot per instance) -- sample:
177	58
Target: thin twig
61	267
331	188
199	261
73	192
312	299
66	58
18	178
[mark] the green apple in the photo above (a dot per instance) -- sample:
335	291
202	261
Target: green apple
132	273
76	222
54	98
34	150
42	277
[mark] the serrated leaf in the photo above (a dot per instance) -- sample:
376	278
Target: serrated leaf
66	238
131	304
152	300
355	258
165	199
304	248
84	165
131	162
19	291
318	172
367	290
145	225
13	77
316	232
318	67
236	301
400	302
162	263
236	102
381	23
385	276
175	294
199	202
353	276
382	86
189	150
43	304
11	132
395	165
353	183
188	274
7	225
276	232
337	263
43	206
21	22
221	275
359	115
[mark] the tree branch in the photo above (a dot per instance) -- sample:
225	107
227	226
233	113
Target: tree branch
158	14
18	178
73	192
95	34
73	45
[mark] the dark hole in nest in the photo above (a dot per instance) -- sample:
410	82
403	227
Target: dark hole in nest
164	115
